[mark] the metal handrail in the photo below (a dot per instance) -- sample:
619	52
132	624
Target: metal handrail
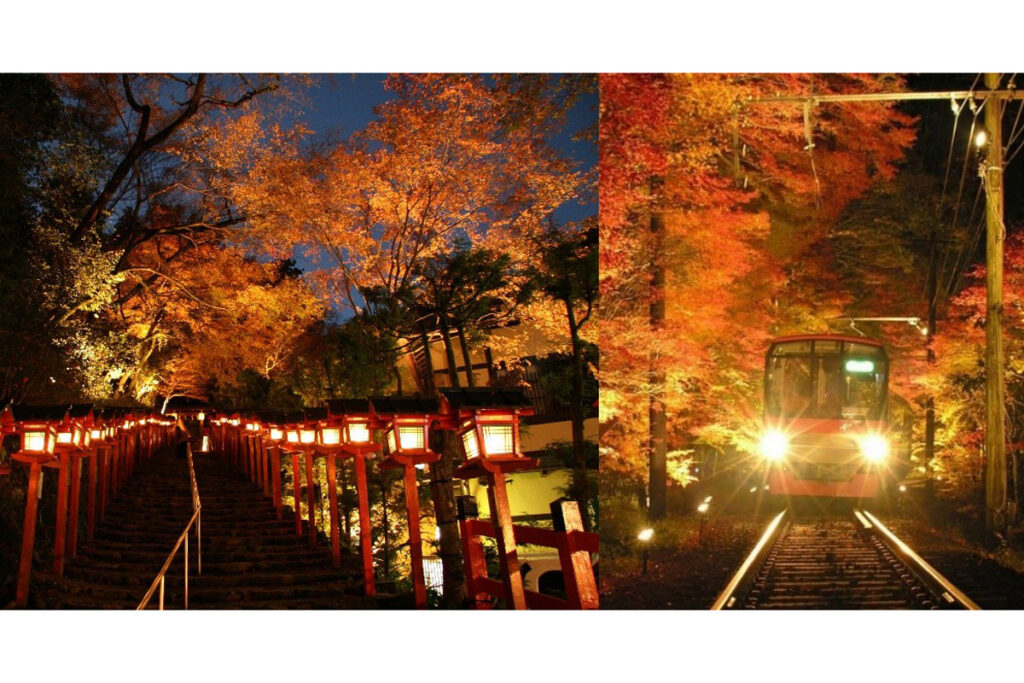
197	520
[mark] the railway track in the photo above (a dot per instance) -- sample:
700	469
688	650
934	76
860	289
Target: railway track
838	563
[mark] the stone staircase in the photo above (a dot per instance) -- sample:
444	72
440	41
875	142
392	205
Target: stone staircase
250	559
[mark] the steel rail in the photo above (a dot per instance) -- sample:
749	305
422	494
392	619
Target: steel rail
928	574
750	566
196	519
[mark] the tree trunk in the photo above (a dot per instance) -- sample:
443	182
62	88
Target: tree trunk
657	439
449	352
579	459
470	381
442	474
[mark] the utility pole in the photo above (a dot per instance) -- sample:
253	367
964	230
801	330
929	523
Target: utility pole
995	442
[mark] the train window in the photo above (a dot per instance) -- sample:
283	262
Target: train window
826	379
790	348
831	387
789	385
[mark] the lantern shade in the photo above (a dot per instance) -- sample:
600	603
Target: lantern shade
276	434
498	439
470	444
329	436
413	438
357	432
307	435
293	436
38	441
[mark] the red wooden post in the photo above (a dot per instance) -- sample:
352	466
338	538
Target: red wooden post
28	537
261	461
311	498
412	506
501	516
297	486
76	485
475	563
267	491
250	456
62	514
365	536
332	495
104	460
90	513
115	450
577	569
275	457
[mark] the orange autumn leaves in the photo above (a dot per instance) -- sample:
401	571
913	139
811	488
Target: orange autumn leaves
747	201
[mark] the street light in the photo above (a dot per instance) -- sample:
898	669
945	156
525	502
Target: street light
645	537
702	509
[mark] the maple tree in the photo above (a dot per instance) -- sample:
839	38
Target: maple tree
135	261
715	211
449	159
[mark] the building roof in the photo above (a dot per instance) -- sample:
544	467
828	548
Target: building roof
348	406
396	405
486	397
32	413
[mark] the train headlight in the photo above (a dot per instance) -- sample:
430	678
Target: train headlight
774	445
875	447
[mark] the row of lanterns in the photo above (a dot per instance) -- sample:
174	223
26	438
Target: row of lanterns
44	435
490	432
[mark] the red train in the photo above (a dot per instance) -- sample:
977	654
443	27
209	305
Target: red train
826	416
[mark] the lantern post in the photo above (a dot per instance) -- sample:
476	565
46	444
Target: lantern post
328	444
38	441
406	423
82	419
276	434
357	423
292	437
307	444
487	422
70	436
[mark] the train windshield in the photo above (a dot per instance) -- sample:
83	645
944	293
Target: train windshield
826	379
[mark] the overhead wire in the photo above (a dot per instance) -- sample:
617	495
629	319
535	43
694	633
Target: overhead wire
959	195
945	180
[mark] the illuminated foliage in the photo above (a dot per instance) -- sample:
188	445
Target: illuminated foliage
747	202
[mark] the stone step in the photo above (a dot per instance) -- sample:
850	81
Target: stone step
251	559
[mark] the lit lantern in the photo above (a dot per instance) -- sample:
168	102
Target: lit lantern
497	433
276	434
328	436
307	435
38	438
201	416
293	435
70	434
252	427
357	431
356	422
487	422
406	434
